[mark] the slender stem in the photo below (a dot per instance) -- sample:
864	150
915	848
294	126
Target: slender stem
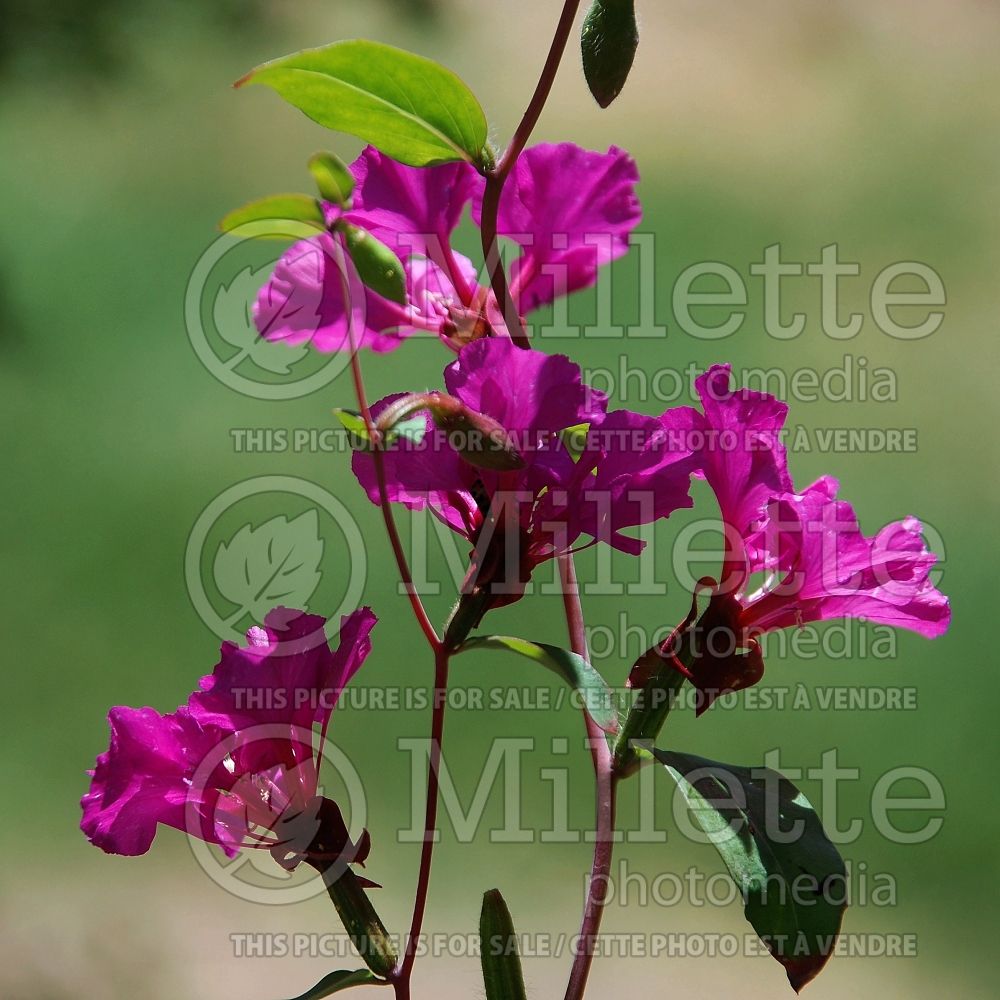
542	88
496	177
441	658
378	461
400	977
606	784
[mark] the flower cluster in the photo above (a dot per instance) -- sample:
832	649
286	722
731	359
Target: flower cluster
792	557
630	469
573	473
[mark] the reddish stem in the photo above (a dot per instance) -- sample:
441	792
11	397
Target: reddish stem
401	977
402	982
388	517
606	783
496	177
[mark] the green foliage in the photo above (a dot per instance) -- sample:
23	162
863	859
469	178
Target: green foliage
411	108
498	950
791	876
267	217
378	267
413	429
573	669
333	179
340	980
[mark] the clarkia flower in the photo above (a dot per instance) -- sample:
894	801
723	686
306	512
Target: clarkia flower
569	208
630	469
238	764
805	547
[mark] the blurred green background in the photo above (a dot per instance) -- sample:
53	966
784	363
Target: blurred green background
872	126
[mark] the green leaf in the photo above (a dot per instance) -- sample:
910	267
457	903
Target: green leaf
334	180
378	267
411	108
412	429
575	439
498	950
573	669
340	980
792	878
269	216
355	425
608	41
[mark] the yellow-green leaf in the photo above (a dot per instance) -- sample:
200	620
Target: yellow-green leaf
411	108
280	216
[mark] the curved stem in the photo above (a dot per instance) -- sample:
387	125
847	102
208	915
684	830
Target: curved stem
496	177
400	977
441	659
606	783
406	577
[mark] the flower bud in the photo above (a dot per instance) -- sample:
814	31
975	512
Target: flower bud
479	439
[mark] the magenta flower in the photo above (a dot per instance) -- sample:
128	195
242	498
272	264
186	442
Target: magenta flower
630	470
237	765
741	457
822	566
571	210
806	549
411	210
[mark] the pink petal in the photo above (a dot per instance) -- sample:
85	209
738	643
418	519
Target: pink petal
572	210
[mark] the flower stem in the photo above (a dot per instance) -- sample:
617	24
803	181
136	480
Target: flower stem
496	177
606	784
402	978
406	577
399	976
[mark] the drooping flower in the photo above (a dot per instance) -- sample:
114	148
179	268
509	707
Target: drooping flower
571	210
630	470
806	547
238	764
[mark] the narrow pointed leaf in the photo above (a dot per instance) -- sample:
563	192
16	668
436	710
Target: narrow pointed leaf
498	950
413	429
411	108
608	42
272	211
341	980
791	876
355	425
575	439
377	266
595	694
